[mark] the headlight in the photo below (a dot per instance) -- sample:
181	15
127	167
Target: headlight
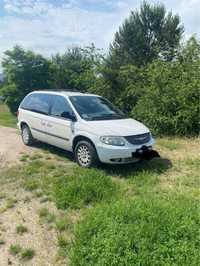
111	140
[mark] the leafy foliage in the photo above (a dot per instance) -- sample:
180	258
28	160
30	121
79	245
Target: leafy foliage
139	232
24	72
148	34
76	69
170	104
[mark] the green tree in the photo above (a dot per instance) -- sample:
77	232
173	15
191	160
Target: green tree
148	34
24	72
134	81
76	69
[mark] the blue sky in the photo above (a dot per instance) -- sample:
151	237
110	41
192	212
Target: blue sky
50	26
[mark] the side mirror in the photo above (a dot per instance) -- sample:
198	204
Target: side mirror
69	116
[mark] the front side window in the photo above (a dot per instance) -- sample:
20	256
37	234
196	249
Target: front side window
61	108
37	102
95	108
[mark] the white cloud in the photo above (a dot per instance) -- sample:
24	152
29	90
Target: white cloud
27	7
189	11
50	27
56	28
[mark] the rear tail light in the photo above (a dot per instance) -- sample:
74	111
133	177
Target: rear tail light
17	113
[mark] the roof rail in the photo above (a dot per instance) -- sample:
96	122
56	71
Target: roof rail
65	90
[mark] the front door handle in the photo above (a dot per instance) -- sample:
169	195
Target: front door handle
43	123
49	125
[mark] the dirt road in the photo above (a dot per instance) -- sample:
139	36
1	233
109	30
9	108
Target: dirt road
11	146
20	207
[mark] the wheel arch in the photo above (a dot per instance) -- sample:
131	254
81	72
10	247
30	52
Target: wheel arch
24	123
80	138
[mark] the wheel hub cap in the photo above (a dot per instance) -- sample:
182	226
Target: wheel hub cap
83	155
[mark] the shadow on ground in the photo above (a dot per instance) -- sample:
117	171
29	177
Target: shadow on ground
154	166
54	150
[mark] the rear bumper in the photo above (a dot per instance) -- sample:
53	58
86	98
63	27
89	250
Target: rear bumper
120	155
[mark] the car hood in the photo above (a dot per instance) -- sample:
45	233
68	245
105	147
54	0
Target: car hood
121	127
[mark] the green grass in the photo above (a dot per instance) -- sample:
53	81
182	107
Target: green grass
2	242
31	184
2	195
6	118
170	143
63	245
15	249
142	214
153	231
27	254
83	188
10	203
68	187
23	253
21	229
24	158
46	216
63	223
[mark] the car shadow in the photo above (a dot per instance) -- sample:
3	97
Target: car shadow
154	166
47	148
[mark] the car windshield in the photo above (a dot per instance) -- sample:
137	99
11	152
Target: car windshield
93	108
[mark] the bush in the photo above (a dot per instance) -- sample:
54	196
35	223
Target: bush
164	95
140	232
83	188
170	104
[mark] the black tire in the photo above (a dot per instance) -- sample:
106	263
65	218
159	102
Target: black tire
85	154
27	137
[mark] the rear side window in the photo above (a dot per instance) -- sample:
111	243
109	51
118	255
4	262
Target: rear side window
37	102
60	107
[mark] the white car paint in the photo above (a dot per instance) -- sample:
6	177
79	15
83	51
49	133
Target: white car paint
122	127
62	132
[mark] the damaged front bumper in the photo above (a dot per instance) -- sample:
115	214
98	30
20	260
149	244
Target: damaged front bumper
145	153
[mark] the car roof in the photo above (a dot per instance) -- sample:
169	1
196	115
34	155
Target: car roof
65	93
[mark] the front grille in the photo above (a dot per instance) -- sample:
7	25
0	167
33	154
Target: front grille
139	139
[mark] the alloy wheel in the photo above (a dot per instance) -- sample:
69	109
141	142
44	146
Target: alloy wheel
83	155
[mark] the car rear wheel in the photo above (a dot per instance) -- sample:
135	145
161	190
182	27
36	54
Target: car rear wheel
85	154
27	136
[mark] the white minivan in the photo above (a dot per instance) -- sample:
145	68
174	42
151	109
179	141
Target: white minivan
87	125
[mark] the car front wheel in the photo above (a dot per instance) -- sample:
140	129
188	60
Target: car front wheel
85	154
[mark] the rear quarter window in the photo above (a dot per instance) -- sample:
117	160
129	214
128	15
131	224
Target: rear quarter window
37	102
